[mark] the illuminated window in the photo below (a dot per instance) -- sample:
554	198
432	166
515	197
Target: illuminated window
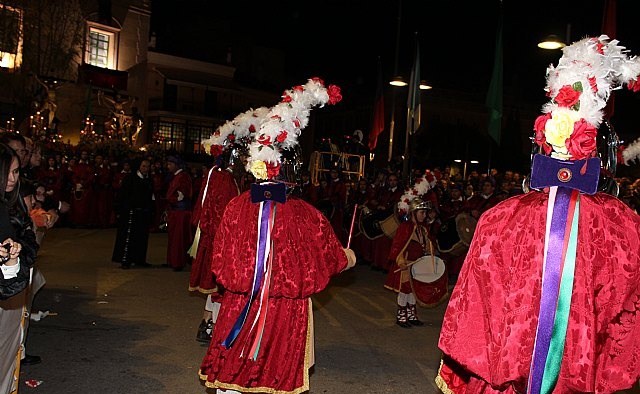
101	47
10	37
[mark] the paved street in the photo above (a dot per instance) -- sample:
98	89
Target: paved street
114	331
133	331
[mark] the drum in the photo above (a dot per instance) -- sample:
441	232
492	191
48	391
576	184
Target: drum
390	225
429	281
466	226
369	224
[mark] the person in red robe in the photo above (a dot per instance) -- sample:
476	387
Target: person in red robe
103	193
548	299
306	254
82	179
219	188
385	206
50	176
412	240
179	199
271	254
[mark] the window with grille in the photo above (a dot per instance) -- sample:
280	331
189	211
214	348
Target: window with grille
101	48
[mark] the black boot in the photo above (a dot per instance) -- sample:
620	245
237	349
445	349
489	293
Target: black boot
204	331
401	317
412	316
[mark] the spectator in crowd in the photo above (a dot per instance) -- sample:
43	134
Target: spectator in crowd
179	198
134	211
17	256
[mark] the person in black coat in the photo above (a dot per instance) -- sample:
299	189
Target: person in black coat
134	207
17	257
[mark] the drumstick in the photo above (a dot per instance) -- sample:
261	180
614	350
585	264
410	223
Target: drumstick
353	220
406	266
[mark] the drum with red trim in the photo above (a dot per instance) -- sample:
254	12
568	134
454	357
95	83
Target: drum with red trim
429	281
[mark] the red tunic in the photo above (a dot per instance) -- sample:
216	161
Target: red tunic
103	196
179	226
207	215
402	242
52	179
82	179
306	255
490	324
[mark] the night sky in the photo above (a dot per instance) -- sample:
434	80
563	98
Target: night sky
341	40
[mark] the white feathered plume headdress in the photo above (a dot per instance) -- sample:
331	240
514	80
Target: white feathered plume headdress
236	131
284	123
421	186
579	88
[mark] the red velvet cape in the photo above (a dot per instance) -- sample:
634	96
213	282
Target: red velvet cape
490	323
222	188
306	255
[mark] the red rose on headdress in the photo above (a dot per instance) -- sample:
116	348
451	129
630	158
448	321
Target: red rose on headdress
334	94
567	96
286	98
318	80
296	122
282	136
298	88
538	127
272	171
264	139
252	129
231	137
582	143
215	150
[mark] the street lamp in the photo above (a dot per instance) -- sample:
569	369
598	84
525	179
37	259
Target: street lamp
552	41
398	81
424	85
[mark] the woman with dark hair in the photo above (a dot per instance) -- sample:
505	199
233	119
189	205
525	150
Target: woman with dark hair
17	256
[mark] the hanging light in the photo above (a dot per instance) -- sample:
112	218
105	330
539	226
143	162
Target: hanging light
424	85
551	42
398	81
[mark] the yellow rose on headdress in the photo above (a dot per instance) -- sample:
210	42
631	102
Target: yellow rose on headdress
206	145
259	169
559	128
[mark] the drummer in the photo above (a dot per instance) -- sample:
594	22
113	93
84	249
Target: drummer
412	241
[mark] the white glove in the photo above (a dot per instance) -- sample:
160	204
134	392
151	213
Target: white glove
180	196
351	258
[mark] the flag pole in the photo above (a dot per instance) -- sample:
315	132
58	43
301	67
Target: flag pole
392	124
413	107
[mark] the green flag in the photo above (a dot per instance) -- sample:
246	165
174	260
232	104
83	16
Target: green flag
494	95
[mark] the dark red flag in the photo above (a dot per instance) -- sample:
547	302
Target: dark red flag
377	126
